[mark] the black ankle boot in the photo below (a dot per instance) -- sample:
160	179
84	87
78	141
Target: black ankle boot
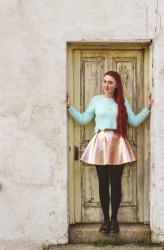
114	226
105	227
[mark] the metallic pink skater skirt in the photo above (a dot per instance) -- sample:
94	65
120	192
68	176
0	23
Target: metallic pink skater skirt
107	148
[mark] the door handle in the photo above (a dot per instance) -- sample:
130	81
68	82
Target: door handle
76	153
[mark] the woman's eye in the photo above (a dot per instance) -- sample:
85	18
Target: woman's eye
109	82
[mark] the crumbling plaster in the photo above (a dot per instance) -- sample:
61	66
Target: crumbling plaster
33	121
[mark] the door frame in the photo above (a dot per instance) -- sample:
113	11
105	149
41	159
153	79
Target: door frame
147	47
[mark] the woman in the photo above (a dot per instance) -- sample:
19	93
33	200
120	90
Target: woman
109	148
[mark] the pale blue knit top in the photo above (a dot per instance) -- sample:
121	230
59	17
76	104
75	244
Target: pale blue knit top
105	110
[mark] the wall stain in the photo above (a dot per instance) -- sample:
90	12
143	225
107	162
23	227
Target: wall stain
158	24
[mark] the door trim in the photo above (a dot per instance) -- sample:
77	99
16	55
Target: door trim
146	46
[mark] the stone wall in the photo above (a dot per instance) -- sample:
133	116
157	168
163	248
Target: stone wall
33	119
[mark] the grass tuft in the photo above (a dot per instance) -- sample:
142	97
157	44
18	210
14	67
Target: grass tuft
118	241
45	247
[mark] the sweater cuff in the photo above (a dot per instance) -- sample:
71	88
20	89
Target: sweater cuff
69	108
147	110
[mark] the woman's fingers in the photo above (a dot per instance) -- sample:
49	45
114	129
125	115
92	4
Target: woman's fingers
150	99
68	99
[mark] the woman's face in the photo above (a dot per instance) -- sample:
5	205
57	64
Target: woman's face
109	85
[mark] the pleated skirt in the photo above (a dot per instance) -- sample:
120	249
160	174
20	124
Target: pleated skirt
107	148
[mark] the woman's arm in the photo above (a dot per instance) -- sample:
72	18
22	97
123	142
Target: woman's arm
85	117
136	119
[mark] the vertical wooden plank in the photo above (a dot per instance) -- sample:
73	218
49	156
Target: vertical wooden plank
76	101
92	65
70	138
125	63
140	138
148	84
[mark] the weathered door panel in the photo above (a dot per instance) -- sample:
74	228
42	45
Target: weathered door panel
88	67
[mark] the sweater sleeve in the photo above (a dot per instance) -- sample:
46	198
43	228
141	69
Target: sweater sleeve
85	117
136	119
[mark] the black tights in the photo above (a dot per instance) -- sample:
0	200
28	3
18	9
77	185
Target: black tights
115	173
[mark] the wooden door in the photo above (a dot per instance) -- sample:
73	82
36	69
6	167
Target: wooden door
85	73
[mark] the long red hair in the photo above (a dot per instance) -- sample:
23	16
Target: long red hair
122	118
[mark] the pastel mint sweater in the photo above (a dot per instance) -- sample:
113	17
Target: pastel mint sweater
105	111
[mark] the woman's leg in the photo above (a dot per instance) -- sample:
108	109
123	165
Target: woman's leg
103	178
115	179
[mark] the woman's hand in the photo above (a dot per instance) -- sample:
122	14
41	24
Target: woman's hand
68	101
149	101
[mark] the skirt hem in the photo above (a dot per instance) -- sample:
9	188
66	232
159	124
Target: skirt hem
93	164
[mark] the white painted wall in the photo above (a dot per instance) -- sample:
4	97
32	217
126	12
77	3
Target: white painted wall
33	153
157	124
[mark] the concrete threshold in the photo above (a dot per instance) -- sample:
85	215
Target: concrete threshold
89	233
90	247
108	247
